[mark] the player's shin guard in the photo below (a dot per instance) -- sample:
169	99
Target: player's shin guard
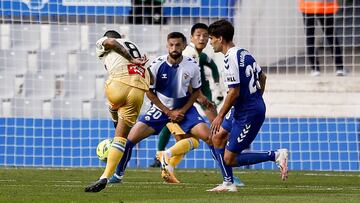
183	146
226	171
115	153
250	158
175	160
120	169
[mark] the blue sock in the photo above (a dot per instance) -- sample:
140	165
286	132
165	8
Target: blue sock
226	171
120	169
250	158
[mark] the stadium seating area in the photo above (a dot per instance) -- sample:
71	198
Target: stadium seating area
57	65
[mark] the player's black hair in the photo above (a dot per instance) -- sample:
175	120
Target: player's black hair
222	28
172	35
198	26
112	34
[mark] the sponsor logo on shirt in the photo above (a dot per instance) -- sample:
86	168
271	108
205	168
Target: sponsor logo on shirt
134	69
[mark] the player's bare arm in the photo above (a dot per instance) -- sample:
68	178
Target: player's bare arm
112	44
203	100
230	99
262	80
155	100
179	113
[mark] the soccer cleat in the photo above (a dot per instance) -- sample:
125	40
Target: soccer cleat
224	187
169	177
238	182
282	162
115	179
97	186
164	160
156	163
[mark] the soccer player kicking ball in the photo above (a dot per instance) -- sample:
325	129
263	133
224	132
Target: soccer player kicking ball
125	88
246	83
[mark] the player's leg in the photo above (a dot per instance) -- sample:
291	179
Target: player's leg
164	138
241	136
129	100
153	118
175	160
309	22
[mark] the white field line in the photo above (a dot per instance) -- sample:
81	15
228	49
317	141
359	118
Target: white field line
143	185
333	175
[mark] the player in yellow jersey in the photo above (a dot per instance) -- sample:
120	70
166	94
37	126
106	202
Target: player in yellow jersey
125	88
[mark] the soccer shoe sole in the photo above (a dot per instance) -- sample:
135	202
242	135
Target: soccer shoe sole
168	177
283	165
97	186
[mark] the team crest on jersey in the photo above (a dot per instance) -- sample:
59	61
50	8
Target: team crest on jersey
186	75
164	76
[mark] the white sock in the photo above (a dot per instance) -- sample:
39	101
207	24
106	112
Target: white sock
168	153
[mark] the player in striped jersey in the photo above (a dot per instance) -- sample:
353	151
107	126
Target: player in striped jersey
199	40
246	84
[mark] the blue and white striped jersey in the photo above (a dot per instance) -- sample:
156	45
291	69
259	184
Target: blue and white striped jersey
242	70
171	82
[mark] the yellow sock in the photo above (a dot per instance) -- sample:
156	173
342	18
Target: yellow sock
115	154
183	146
175	160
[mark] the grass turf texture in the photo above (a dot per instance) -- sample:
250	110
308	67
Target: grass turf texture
67	185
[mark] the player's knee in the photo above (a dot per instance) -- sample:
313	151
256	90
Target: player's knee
207	140
194	143
229	160
217	141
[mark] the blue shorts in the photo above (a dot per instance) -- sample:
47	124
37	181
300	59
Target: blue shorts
244	129
227	122
156	119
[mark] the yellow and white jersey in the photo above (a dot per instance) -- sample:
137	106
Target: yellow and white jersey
119	68
191	52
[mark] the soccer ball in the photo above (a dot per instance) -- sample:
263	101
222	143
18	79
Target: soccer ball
103	148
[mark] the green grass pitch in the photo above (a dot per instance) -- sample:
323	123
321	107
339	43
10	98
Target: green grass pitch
145	185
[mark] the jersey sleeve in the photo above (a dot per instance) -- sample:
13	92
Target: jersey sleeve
190	51
212	65
153	71
100	49
231	71
196	80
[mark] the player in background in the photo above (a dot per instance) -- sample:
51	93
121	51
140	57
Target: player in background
125	87
199	39
246	84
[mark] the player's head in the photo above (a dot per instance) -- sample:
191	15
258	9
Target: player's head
221	31
112	34
199	35
176	42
